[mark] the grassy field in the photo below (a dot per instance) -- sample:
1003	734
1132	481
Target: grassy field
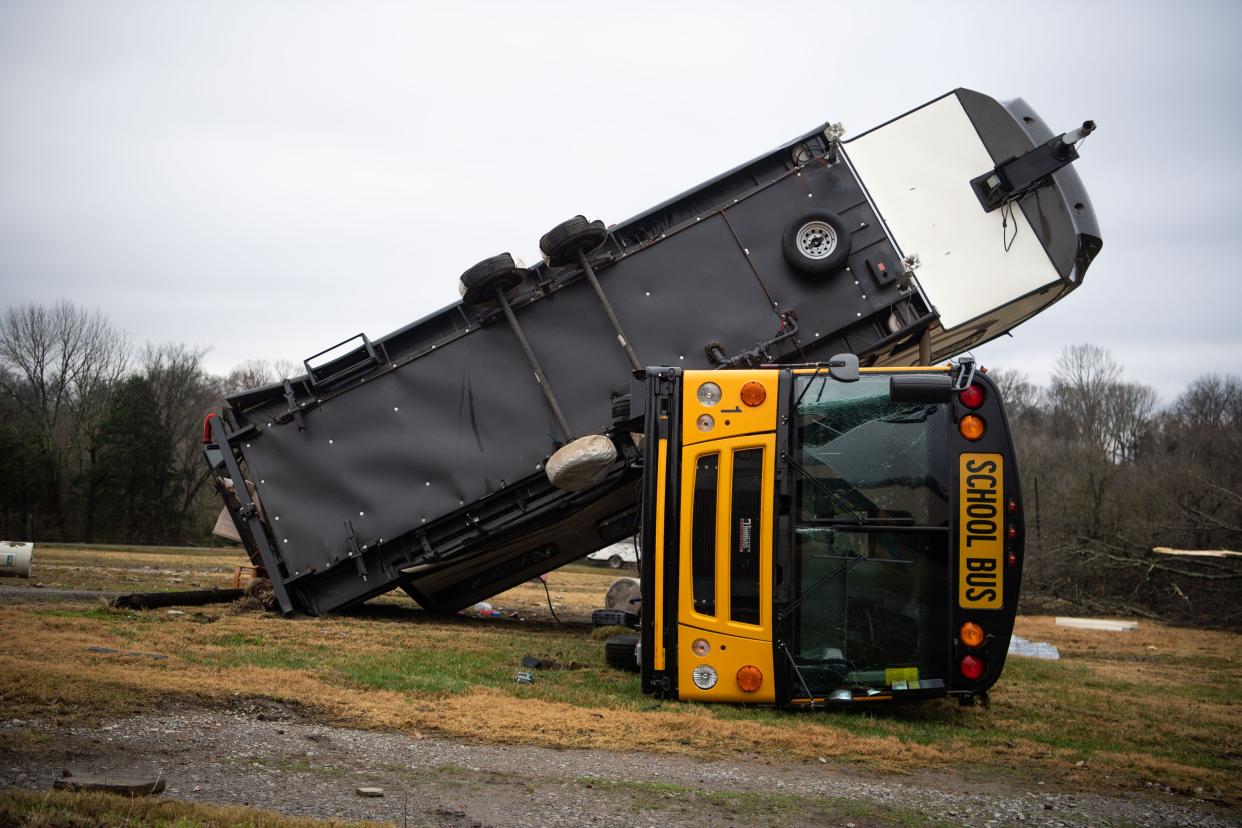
1121	710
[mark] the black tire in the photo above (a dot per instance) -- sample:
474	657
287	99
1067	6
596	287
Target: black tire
614	618
561	244
621	651
478	284
816	242
615	562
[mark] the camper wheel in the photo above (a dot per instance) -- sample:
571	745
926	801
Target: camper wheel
479	284
561	245
816	242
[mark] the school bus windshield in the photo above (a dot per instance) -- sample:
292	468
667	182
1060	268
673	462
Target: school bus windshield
871	534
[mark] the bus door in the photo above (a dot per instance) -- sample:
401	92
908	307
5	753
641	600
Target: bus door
724	608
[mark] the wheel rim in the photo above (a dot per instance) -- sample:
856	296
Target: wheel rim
817	240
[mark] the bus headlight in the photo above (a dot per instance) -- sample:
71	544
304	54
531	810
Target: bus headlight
709	394
704	677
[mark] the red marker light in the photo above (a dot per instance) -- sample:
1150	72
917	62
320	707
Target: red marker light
1013	532
1013	559
972	668
207	427
972	396
1013	505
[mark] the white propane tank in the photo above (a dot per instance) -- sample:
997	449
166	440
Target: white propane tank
15	558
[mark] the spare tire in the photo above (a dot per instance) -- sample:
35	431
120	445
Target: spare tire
621	651
560	245
817	242
479	284
624	594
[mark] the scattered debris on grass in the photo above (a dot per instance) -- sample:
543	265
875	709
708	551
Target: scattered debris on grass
135	653
1097	624
1019	646
127	786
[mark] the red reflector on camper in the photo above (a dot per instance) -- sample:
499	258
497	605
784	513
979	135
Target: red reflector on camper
972	397
972	668
207	427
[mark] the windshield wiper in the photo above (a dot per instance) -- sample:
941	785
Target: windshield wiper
841	502
807	387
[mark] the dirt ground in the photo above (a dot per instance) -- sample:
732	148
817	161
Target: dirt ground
235	706
267	755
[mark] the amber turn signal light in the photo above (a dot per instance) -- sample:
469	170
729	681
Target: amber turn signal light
971	634
749	679
753	394
971	427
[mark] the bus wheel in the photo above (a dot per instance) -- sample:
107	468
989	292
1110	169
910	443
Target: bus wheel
817	242
561	245
615	561
621	651
478	284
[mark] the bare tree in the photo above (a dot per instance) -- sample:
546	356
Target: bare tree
255	373
62	363
1022	397
1129	415
184	393
1081	377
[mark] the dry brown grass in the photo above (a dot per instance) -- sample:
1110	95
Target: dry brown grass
1157	705
59	809
132	568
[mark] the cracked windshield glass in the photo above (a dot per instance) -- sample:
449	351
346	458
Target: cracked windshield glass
872	533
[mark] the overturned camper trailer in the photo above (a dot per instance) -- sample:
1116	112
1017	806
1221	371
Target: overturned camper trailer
418	460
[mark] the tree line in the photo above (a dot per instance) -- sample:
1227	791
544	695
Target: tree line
1108	474
101	438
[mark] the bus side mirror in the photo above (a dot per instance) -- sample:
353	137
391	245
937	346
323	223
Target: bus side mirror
844	368
920	388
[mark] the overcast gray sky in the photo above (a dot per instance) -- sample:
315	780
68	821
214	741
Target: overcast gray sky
268	178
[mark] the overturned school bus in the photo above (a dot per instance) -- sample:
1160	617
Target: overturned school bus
420	460
818	535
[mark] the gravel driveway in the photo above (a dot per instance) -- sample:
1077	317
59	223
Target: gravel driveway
261	754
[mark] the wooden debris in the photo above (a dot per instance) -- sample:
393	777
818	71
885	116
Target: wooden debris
1097	624
1197	553
129	786
177	598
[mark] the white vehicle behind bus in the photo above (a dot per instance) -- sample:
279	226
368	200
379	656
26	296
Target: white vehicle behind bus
616	556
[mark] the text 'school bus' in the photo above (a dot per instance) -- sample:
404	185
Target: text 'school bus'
824	535
421	460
